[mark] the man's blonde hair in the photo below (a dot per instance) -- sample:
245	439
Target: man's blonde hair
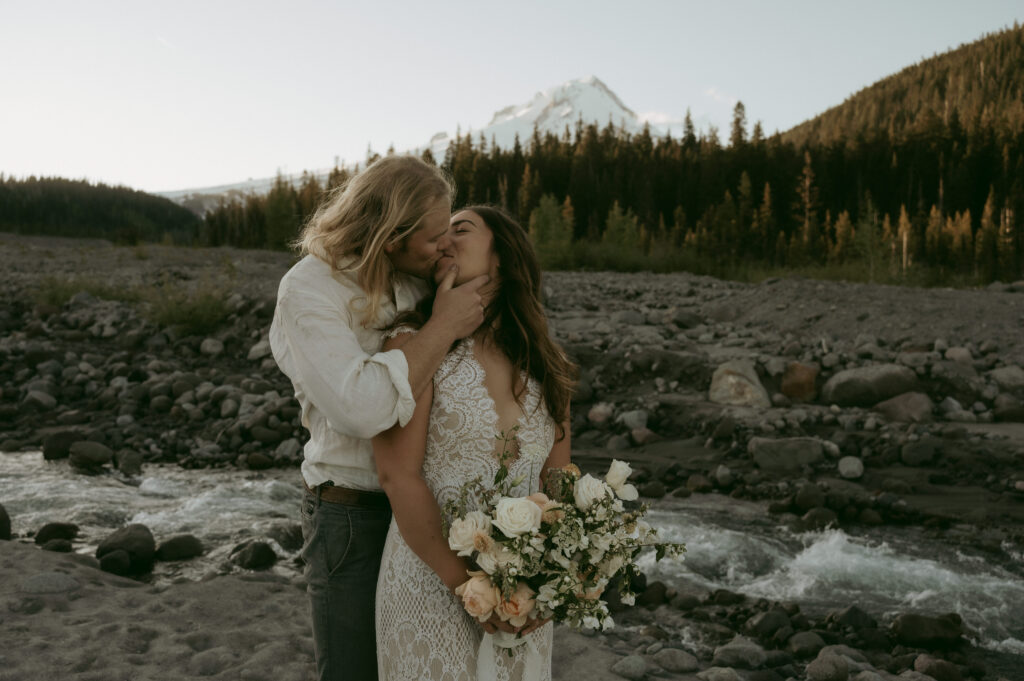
380	206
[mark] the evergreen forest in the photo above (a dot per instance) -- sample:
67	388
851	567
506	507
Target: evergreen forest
918	178
76	208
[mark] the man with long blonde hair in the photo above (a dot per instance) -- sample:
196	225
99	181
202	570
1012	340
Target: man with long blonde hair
368	252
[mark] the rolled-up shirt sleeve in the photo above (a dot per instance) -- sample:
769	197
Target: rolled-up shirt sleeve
360	394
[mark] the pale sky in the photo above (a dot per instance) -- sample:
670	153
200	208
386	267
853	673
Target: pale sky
172	95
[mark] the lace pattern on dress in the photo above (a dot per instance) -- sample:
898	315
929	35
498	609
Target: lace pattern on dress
422	630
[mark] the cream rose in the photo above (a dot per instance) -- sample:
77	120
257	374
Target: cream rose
463	532
627	492
517	608
617	473
588	490
479	596
516	515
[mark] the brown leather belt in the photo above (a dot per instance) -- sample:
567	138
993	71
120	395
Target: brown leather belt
350	497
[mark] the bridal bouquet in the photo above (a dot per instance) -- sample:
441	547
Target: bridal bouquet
553	553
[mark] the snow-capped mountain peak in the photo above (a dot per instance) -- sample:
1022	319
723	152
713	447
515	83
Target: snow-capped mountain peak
587	99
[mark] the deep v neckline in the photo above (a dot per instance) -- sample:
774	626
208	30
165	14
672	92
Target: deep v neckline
480	379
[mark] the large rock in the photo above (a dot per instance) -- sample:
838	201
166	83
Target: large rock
5	524
50	531
633	667
211	347
736	383
921	630
90	455
799	381
58	445
805	644
912	406
179	547
828	667
1009	378
137	541
676	661
785	454
741	653
259	351
1006	407
867	386
940	670
256	555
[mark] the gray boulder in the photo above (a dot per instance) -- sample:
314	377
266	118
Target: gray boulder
940	670
632	667
255	555
741	653
737	383
179	547
50	531
828	667
90	455
867	386
136	541
804	644
676	661
1009	378
785	454
913	406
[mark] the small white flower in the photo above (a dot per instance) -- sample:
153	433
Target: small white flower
628	599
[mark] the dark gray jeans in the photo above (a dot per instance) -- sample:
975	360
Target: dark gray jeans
342	550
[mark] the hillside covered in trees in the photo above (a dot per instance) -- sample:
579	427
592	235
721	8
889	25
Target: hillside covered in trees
935	204
76	208
975	86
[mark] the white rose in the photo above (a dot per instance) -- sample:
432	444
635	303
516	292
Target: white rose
588	490
515	516
464	530
626	492
488	562
617	474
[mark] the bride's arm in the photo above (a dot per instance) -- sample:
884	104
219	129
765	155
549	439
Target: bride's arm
559	455
399	456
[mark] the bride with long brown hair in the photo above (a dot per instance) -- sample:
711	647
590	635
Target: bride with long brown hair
508	378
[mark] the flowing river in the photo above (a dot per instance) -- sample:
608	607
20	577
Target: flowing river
730	544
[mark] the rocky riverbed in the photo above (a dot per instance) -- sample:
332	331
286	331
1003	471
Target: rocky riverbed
822	404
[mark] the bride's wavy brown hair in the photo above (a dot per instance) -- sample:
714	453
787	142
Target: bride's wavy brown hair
517	316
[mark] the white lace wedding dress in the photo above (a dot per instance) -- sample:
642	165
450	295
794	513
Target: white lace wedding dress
422	630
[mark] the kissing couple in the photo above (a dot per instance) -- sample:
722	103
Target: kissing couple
413	337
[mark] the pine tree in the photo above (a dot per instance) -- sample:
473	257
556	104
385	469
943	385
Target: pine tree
845	236
621	230
904	234
986	242
738	133
689	132
551	232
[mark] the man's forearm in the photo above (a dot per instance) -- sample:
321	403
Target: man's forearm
424	352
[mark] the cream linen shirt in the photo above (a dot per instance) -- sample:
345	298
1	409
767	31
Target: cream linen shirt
349	391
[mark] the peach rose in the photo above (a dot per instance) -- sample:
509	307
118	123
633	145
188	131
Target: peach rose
479	596
517	608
